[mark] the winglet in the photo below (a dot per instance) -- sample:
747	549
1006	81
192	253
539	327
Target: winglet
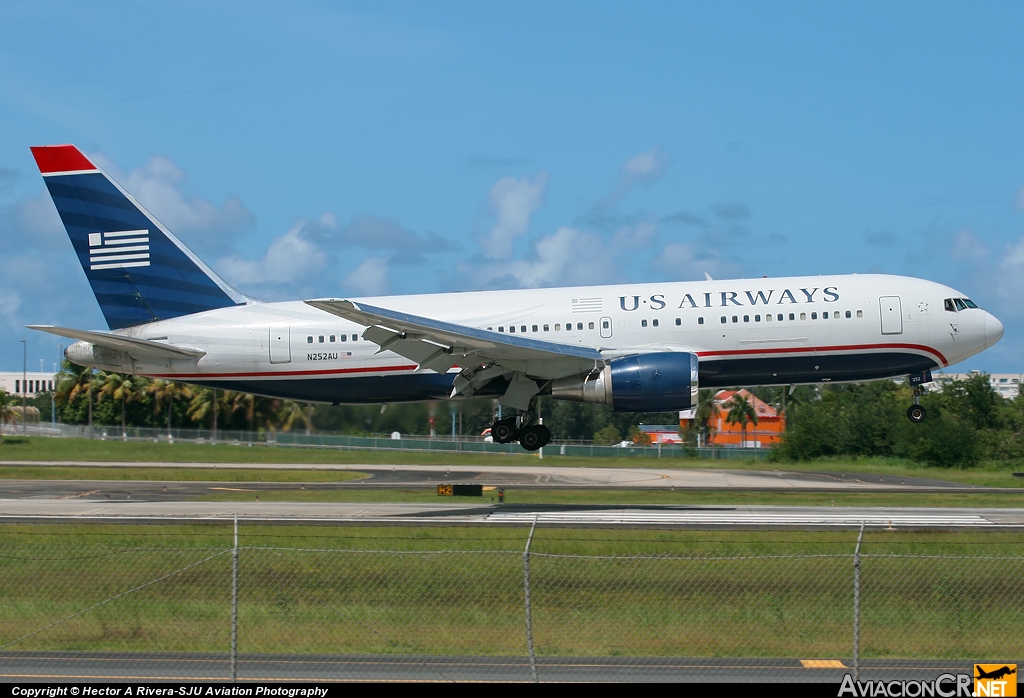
61	159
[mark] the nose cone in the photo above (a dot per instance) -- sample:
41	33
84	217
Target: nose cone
993	330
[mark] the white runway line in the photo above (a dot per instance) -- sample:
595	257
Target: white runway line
740	518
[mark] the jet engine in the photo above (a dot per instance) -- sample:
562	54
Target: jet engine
658	382
94	356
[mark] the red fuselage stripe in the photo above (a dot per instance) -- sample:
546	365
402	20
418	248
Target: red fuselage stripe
278	374
810	350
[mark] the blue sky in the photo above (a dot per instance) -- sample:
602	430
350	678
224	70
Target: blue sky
311	149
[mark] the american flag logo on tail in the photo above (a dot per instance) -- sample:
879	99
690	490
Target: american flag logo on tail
124	248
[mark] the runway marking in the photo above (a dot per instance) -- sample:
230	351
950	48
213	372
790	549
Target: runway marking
739	517
80	494
230	489
822	664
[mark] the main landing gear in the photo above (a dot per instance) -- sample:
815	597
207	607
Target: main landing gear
530	436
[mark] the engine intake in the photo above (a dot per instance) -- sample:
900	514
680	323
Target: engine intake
641	383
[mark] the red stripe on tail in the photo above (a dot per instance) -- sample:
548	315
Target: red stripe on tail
60	158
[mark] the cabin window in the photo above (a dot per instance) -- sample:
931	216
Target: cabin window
848	314
534	328
501	328
792	316
860	313
579	326
679	322
511	328
590	326
643	323
355	337
333	339
735	318
605	324
803	316
746	318
835	315
814	316
568	327
547	328
344	337
757	318
321	339
309	339
522	328
723	320
654	322
700	321
768	317
558	327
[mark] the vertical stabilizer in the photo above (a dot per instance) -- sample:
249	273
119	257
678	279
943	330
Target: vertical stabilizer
138	270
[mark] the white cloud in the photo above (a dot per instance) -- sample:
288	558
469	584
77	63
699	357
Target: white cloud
513	202
370	278
683	261
569	257
160	186
967	247
643	168
290	259
10	301
635	236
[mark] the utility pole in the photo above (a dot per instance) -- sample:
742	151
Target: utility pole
24	390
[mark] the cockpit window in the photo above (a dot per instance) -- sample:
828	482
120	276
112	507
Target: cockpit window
960	305
969	303
948	303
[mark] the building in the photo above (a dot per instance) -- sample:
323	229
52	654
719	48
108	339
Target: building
36	382
1006	384
767	431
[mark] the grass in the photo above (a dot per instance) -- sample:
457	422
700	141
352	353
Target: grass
60	472
458	590
85	450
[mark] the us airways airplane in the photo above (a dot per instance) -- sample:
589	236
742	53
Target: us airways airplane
636	347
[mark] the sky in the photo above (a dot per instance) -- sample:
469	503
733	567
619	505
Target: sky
312	149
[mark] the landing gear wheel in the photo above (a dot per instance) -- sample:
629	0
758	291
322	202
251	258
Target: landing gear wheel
533	437
545	434
504	430
916	414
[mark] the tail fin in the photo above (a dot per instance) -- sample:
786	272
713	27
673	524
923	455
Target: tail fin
138	270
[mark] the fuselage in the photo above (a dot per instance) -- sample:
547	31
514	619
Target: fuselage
745	332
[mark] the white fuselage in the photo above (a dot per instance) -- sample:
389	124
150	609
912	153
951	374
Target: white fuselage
744	331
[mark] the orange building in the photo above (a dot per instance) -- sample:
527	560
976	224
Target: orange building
767	431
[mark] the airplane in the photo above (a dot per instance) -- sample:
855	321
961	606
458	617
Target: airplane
643	347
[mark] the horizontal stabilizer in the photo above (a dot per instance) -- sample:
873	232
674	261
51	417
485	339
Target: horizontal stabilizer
129	345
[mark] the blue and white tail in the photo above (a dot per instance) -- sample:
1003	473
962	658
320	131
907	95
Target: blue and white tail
138	270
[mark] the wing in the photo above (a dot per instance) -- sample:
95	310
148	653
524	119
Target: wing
129	345
482	354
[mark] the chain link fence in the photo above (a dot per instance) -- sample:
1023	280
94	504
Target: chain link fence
337	607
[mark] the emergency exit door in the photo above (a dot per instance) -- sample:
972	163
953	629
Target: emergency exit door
891	313
280	345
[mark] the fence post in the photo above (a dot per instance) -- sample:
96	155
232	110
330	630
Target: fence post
526	596
856	606
234	606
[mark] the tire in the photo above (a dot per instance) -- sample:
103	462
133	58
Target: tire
916	414
545	435
531	439
504	431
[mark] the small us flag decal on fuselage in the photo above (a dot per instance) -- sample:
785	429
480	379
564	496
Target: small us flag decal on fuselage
124	248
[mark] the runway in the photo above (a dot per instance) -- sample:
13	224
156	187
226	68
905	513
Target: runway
114	666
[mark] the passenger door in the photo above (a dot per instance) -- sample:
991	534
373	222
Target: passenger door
891	312
606	327
280	345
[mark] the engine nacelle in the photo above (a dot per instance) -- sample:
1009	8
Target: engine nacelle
92	356
642	383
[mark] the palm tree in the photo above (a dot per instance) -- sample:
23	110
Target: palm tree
72	381
209	402
8	415
705	411
167	390
741	411
289	412
125	388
